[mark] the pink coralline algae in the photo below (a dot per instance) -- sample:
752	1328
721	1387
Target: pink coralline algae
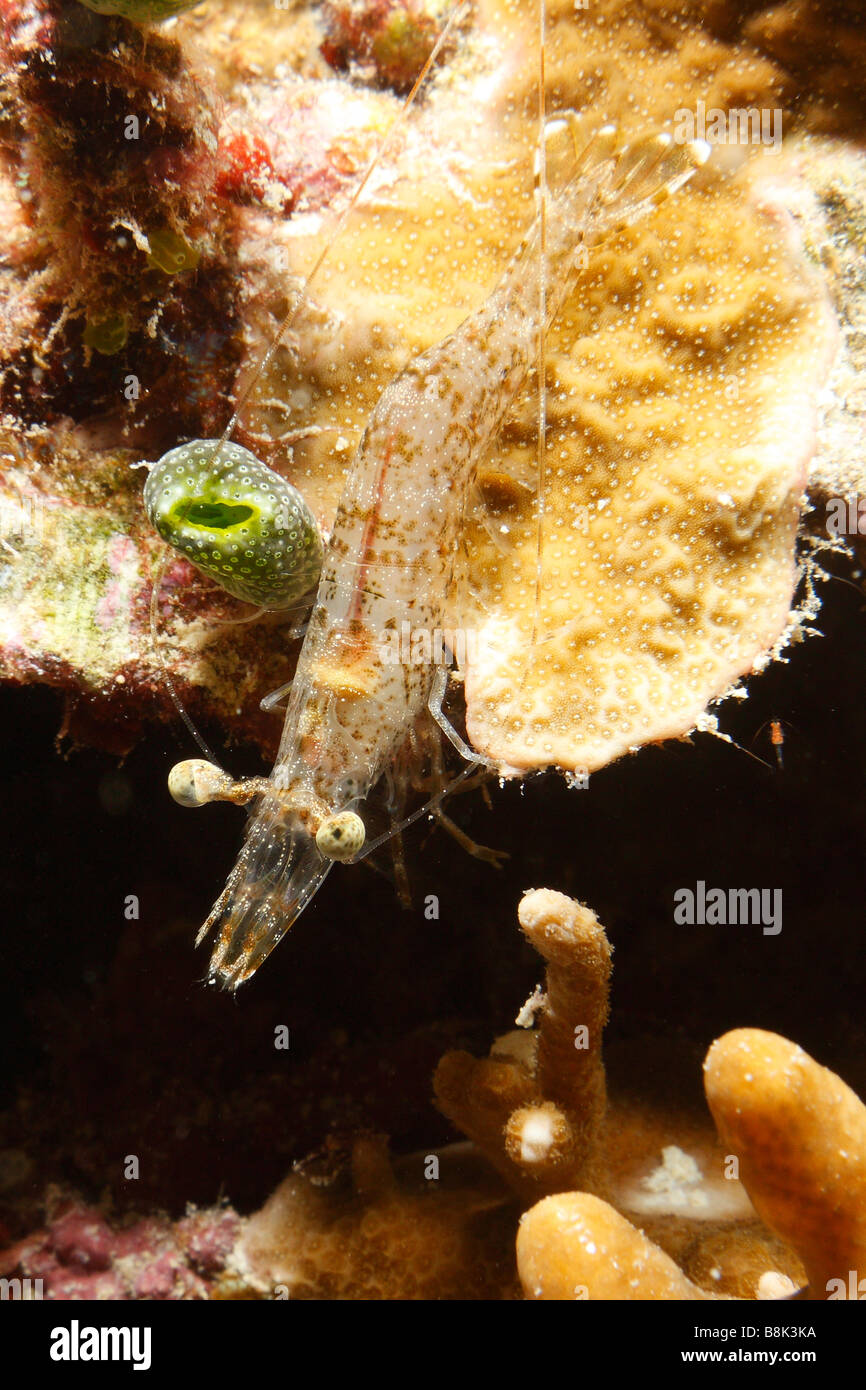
81	1255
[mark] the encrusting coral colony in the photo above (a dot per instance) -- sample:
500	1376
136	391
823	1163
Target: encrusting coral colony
633	547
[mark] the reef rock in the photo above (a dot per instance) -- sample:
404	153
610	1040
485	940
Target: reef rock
615	582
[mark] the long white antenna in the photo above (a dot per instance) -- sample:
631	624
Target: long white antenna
454	18
541	442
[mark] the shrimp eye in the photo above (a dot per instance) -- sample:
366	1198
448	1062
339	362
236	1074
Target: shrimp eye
238	521
196	782
341	836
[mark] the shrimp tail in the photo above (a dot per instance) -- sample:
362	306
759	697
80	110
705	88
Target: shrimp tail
277	873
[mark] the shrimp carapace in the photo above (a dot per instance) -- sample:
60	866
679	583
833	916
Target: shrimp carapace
390	558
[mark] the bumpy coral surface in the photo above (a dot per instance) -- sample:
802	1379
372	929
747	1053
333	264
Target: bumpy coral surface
831	212
668	561
680	429
800	1133
442	1231
679	412
541	1097
575	1246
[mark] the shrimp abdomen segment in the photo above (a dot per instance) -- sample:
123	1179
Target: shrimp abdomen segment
352	700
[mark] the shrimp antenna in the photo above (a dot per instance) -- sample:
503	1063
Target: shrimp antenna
163	664
454	18
541	443
749	754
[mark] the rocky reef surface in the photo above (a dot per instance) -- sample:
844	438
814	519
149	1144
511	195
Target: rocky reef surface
154	239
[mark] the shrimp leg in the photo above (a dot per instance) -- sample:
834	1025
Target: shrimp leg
434	705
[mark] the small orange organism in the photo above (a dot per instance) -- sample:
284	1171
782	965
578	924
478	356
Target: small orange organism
777	738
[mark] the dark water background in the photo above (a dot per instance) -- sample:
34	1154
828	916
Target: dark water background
112	1045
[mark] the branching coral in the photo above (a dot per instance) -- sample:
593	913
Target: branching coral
441	1224
576	1246
800	1134
537	1111
536	1104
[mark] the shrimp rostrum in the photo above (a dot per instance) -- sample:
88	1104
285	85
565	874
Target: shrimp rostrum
391	554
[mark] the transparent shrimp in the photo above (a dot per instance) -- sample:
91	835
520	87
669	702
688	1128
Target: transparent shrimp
390	558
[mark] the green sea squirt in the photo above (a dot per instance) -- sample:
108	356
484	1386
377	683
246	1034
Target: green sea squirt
237	520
